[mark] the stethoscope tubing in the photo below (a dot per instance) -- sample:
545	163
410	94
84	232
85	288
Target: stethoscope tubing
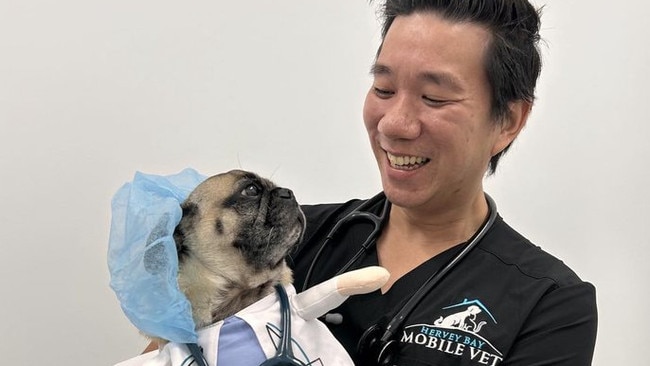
436	277
357	213
386	341
284	355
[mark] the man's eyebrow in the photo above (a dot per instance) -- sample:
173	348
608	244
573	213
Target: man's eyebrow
442	78
379	69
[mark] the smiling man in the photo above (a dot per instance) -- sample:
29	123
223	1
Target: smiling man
453	85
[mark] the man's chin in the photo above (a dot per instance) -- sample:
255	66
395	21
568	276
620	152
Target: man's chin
403	196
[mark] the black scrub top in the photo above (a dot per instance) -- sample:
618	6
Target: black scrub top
506	303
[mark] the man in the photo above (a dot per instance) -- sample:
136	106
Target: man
453	86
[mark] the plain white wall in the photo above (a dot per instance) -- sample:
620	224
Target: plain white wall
90	92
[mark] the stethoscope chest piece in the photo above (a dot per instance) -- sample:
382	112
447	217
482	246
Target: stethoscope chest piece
373	350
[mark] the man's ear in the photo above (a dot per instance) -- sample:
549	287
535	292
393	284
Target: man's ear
512	124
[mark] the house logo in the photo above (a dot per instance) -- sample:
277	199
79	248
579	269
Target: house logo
466	319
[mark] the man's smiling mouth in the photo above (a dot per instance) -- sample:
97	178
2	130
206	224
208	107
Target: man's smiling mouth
406	162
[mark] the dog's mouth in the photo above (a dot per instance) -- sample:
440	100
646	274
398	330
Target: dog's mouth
267	246
284	225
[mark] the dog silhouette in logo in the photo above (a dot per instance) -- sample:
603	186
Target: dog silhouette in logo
463	320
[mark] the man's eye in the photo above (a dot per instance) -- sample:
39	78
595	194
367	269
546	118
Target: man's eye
251	190
382	93
434	102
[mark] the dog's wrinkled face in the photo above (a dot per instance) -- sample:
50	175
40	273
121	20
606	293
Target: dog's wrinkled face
238	218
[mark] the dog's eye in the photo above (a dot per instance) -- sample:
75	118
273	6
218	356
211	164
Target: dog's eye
251	190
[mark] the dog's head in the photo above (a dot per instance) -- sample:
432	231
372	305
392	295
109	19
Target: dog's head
236	230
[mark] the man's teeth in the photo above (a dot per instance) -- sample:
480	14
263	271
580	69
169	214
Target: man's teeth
404	161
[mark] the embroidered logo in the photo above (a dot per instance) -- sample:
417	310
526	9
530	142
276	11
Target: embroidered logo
456	332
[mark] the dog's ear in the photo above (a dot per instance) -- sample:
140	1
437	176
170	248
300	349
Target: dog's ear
189	212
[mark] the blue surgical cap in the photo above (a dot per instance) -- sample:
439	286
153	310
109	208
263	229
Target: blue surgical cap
142	257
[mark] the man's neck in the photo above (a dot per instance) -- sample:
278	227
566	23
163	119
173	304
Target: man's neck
413	236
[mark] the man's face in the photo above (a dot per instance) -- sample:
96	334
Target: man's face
428	111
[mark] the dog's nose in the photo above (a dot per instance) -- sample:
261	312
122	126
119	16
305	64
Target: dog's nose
284	193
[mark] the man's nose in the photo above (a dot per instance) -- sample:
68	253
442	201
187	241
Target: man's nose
401	119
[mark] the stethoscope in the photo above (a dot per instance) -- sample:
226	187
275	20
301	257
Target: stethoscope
377	345
284	354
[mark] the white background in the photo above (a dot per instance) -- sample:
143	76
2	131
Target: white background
92	91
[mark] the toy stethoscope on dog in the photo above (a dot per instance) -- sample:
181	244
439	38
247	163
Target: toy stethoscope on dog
377	345
284	354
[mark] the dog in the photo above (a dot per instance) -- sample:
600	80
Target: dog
236	230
